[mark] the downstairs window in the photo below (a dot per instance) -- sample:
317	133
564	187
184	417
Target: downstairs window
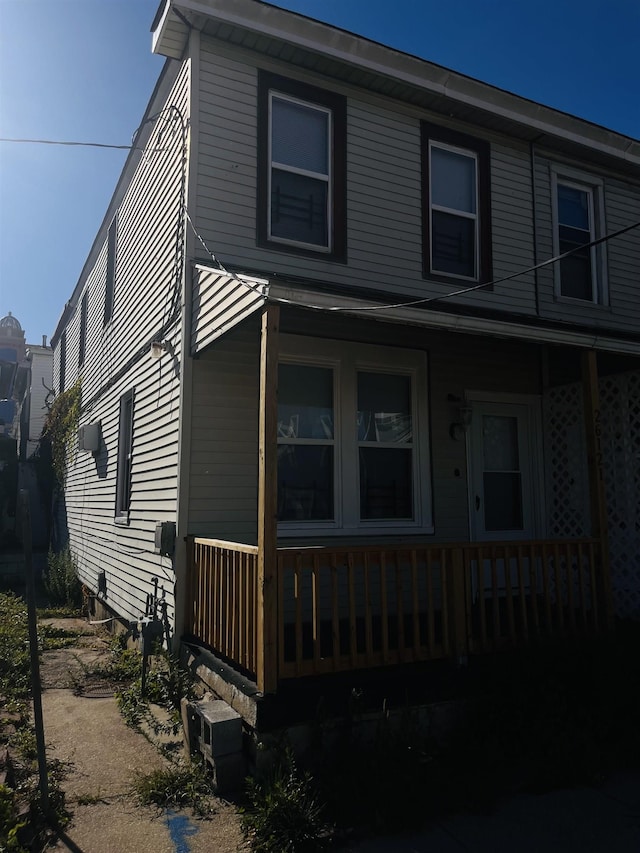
352	438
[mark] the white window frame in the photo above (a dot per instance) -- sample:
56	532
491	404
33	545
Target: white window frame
347	359
328	178
125	459
465	152
594	187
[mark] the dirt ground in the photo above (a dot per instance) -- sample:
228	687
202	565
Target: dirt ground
101	755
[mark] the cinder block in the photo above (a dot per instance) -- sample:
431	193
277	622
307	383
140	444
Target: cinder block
229	772
221	732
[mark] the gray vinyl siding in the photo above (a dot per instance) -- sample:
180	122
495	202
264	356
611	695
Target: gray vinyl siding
117	361
224	447
219	302
224	450
384	213
621	208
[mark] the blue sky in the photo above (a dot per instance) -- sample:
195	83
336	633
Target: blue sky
83	70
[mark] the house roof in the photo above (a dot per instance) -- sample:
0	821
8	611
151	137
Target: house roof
352	59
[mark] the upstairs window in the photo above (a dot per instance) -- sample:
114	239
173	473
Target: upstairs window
456	206
125	447
82	343
111	272
301	184
578	218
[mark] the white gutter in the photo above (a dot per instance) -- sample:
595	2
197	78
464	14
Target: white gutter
429	318
361	53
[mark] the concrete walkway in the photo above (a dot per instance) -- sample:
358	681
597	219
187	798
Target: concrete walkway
585	820
102	756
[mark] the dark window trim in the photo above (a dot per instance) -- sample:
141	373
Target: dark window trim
268	82
111	271
82	345
482	149
125	449
570	175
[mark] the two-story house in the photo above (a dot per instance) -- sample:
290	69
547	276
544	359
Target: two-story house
368	332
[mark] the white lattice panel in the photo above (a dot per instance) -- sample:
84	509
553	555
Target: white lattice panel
565	459
620	408
567	476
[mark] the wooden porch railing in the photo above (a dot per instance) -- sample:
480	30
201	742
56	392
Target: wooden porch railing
518	591
221	598
357	607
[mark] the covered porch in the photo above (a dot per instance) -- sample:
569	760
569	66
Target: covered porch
287	607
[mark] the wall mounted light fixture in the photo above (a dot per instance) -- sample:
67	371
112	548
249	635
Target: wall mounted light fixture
157	348
459	428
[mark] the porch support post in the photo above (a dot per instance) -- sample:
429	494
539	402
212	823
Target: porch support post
190	593
460	607
598	506
267	650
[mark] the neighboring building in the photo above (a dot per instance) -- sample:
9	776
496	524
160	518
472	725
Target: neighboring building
14	375
40	358
377	426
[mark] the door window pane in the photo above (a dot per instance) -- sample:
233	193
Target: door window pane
502	480
502	501
500	443
386	483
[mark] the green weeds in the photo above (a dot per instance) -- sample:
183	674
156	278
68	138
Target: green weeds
184	784
285	813
61	581
22	823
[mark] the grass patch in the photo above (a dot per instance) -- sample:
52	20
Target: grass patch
184	784
51	637
89	799
61	612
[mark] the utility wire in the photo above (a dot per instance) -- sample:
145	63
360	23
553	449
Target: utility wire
77	144
429	299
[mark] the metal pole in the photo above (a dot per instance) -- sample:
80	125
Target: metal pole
36	687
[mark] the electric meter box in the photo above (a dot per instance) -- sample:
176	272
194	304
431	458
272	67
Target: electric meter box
89	437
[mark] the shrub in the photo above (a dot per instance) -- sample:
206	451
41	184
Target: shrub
284	814
15	661
61	580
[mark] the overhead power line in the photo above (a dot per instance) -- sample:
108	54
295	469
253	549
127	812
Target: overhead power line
66	142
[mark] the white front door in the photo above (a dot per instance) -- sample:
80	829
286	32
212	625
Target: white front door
501	477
